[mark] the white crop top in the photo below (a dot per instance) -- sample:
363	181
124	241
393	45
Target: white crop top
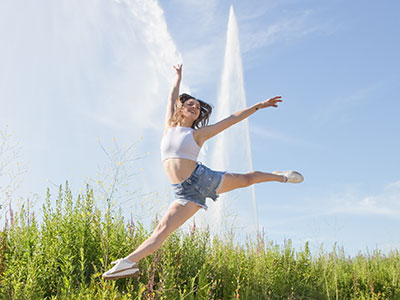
178	142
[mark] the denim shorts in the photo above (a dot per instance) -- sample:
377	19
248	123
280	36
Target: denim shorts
202	184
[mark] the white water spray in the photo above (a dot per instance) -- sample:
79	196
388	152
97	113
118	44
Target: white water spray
98	68
232	149
74	71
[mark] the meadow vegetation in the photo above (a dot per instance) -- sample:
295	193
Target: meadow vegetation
63	255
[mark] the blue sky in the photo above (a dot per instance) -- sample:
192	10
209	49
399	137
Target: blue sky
336	65
74	73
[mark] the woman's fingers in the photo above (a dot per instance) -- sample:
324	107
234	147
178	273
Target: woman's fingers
272	101
178	70
277	98
178	67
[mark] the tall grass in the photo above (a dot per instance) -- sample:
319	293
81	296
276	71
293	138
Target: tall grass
64	256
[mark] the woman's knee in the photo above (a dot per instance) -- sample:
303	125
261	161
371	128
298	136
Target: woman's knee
161	231
251	178
245	180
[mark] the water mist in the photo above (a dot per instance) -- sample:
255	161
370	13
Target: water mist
231	150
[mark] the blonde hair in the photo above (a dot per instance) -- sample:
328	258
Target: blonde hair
177	117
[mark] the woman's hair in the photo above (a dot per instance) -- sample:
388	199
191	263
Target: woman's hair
202	120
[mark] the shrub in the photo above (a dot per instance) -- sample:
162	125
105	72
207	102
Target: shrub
64	256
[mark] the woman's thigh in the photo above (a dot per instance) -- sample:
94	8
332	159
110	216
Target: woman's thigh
231	181
176	215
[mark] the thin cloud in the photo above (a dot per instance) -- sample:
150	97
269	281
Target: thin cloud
385	203
257	10
341	105
268	134
353	201
196	18
350	201
393	185
282	31
205	7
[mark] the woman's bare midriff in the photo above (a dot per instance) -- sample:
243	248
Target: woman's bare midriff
179	169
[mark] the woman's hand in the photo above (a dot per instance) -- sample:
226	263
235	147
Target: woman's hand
269	102
178	70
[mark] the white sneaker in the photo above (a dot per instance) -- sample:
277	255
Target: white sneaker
292	176
123	268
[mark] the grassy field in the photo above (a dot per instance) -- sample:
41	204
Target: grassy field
64	256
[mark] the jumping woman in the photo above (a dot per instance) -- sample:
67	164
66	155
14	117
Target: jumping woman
185	132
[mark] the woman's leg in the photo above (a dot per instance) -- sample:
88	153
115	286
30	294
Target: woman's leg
175	216
232	181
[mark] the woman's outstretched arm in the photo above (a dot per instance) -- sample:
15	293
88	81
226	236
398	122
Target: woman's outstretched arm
174	94
208	132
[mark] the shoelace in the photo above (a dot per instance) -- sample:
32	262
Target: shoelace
118	260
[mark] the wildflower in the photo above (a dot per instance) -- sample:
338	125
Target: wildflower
11	215
193	228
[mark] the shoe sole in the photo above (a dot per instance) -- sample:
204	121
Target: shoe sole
136	274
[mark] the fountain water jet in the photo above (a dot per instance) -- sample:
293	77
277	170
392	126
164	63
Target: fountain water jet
232	149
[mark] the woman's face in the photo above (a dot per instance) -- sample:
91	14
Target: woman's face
191	109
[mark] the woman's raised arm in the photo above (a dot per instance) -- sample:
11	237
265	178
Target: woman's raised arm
207	132
174	94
